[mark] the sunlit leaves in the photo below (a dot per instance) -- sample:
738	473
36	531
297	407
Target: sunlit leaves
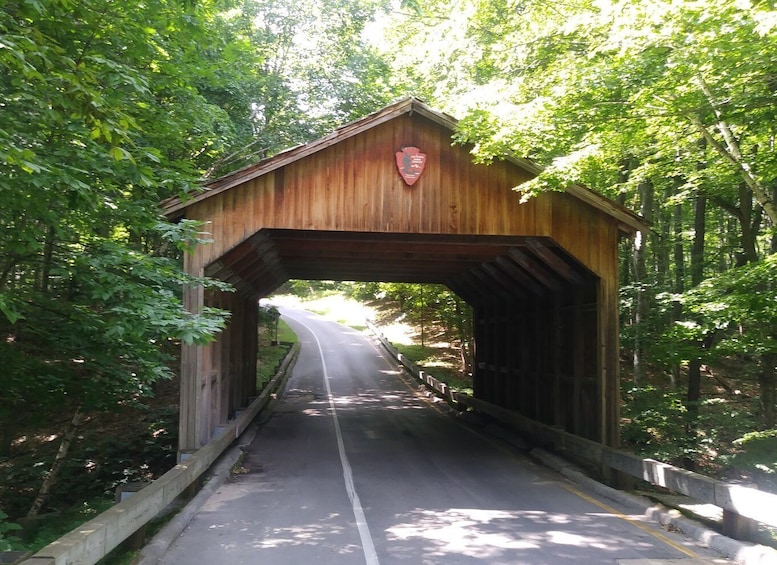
739	307
102	116
633	78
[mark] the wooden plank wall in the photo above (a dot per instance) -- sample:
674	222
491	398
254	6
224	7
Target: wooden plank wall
354	186
219	379
541	358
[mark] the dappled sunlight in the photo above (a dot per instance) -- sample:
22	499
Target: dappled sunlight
472	532
500	534
398	333
312	534
376	400
249	535
317	405
336	308
316	412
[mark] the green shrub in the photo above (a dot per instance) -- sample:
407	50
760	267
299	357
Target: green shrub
7	540
654	424
758	457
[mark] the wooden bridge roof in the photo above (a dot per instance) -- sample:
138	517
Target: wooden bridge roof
480	264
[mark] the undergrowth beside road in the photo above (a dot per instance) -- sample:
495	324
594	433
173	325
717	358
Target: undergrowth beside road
272	352
439	362
127	445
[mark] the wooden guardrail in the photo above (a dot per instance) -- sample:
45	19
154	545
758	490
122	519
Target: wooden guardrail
94	539
741	505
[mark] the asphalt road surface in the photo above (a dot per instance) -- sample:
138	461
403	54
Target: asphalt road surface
355	467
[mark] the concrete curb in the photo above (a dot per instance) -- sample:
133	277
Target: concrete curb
741	552
153	551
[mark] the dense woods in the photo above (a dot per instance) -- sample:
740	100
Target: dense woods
667	107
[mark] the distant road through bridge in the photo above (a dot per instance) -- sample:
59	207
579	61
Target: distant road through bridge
354	466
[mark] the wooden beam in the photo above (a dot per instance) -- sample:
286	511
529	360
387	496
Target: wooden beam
559	265
464	288
192	362
545	277
502	291
482	287
523	279
505	280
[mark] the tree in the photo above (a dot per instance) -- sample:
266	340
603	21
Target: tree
98	125
429	306
108	109
634	99
735	313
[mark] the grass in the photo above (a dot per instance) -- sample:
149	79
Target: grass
42	530
270	356
438	362
331	306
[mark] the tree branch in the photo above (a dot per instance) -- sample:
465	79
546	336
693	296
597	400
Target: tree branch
735	158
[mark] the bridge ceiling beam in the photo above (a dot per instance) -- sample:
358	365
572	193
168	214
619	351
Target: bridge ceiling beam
563	267
535	269
480	269
510	268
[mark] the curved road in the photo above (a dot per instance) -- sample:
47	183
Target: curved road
355	467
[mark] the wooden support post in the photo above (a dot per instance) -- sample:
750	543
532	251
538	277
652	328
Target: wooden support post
578	364
225	344
608	360
215	417
523	363
191	366
556	356
538	364
237	397
512	346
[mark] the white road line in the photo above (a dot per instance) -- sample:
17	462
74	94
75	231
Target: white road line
370	555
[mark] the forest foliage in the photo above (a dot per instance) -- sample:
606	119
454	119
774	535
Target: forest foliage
106	109
667	107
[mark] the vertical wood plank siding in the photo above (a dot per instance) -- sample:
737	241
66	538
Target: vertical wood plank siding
354	186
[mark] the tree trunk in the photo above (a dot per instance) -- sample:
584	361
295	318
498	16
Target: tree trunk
663	243
749	226
48	254
464	329
642	308
693	395
697	249
767	381
59	460
678	254
774	223
731	152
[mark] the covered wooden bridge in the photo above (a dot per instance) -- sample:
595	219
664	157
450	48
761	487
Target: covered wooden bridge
389	198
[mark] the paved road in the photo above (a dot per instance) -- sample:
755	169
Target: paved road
355	467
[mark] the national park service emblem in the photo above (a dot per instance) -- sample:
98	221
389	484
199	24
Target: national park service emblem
411	163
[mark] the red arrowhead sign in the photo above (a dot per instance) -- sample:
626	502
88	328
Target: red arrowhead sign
411	163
